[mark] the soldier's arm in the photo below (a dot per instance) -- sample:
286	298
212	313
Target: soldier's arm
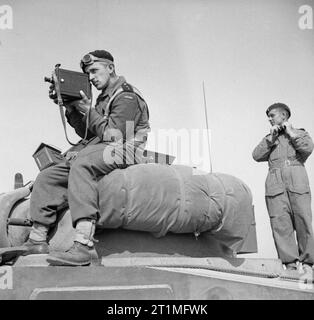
124	108
302	142
75	119
264	148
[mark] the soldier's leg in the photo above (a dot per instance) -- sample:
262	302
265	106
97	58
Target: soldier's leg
301	208
91	164
49	193
282	227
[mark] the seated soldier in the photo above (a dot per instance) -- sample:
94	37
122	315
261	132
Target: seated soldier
117	133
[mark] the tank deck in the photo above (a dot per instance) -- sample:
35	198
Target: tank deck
149	278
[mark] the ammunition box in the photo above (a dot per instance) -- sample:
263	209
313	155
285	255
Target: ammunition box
46	156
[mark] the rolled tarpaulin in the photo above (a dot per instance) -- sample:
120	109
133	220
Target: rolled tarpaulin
160	199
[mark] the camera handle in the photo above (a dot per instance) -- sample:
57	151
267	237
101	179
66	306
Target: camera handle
61	106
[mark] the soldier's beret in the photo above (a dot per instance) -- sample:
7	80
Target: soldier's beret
279	105
102	54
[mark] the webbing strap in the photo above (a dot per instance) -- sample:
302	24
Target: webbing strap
118	91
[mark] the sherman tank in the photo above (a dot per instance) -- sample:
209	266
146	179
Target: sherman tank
183	241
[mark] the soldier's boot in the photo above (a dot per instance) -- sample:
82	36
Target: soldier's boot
37	241
82	252
307	268
35	247
308	273
36	244
292	266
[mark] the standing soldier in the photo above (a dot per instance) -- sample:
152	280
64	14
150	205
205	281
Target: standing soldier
288	195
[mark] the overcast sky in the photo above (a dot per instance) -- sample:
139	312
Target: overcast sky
249	53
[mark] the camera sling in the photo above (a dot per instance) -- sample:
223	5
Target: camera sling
61	106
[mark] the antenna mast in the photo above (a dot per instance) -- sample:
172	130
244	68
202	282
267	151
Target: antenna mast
207	128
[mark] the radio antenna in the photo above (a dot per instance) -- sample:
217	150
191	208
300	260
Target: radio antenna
207	128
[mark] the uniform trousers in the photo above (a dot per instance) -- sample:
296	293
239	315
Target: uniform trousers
76	183
291	211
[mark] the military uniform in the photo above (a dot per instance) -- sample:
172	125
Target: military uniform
116	138
288	196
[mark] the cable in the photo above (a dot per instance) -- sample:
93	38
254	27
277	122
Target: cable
207	128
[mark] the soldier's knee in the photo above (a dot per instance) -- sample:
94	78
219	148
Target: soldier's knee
282	224
44	176
79	164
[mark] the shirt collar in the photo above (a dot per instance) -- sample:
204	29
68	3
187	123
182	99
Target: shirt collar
110	90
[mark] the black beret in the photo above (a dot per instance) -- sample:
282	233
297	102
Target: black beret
279	105
102	54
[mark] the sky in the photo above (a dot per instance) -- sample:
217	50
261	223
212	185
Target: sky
248	53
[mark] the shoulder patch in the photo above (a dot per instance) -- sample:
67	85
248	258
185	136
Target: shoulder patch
127	87
128	97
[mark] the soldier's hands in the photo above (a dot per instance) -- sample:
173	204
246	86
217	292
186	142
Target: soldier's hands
83	105
287	126
53	94
289	129
274	130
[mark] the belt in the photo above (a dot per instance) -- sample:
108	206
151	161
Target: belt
285	163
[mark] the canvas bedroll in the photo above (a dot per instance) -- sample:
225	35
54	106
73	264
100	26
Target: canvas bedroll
153	208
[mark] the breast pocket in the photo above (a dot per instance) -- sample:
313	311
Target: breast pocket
274	184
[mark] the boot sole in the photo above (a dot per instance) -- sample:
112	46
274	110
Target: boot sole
61	262
9	254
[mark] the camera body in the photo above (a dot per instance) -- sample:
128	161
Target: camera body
70	83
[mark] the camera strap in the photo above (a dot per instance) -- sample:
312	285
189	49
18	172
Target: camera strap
61	106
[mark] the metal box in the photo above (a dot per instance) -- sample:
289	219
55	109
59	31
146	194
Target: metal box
46	156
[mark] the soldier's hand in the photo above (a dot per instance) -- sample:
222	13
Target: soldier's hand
82	105
53	96
287	126
289	129
53	93
274	130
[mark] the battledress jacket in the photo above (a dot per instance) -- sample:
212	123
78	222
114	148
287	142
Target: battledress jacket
104	124
286	157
